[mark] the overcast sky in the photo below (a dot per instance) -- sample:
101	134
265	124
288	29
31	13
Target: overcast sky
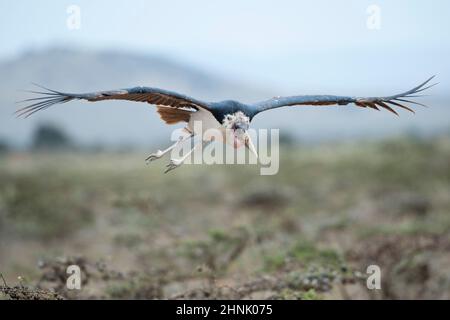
287	44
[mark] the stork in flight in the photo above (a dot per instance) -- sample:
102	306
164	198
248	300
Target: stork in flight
232	118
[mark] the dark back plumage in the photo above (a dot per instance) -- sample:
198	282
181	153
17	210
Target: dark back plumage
222	108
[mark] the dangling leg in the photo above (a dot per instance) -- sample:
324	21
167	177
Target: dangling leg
175	163
158	154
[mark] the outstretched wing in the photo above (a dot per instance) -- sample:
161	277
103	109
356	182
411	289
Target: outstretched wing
154	96
388	103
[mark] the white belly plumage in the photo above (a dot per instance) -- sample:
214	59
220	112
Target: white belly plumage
211	129
207	121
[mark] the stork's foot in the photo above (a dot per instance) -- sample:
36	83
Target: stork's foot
173	164
154	156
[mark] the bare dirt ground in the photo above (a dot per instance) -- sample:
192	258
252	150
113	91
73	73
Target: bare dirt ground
308	232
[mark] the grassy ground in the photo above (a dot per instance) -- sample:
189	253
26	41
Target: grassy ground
225	231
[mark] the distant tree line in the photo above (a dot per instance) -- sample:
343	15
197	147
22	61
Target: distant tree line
4	146
51	137
45	137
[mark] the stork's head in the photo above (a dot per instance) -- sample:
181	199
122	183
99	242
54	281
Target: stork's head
236	126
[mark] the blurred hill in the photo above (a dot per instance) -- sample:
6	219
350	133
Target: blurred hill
122	123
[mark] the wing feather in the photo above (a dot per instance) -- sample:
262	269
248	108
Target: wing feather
364	102
139	94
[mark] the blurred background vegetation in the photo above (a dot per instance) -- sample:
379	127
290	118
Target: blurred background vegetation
308	232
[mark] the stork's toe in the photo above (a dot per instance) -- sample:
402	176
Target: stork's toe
173	164
154	156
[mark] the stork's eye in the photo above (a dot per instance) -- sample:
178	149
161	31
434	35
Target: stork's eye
228	117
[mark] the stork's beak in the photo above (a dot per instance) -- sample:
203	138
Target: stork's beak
249	144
